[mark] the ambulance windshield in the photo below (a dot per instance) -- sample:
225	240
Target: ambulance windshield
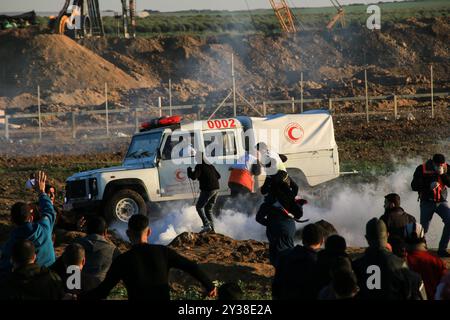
143	146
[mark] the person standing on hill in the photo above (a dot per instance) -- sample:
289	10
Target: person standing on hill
431	180
208	178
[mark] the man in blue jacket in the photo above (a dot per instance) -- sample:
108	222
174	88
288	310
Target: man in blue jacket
39	232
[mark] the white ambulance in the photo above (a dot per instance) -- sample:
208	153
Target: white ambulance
155	167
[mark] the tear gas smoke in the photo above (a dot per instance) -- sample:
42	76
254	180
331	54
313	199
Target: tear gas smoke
347	206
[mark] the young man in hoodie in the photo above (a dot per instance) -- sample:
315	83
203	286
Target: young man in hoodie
38	232
431	180
208	178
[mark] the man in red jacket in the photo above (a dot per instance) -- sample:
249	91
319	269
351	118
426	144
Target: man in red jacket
430	267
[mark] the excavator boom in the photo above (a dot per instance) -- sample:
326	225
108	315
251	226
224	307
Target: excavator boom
284	15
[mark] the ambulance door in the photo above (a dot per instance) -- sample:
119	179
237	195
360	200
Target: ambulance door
172	168
223	148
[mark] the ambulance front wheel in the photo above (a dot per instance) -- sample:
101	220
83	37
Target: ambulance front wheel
123	204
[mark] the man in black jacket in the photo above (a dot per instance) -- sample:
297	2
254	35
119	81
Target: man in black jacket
294	274
431	180
144	269
29	281
381	274
395	218
208	178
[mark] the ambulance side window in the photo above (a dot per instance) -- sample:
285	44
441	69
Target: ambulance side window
220	143
172	141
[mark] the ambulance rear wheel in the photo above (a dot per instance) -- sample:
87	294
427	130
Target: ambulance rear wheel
123	204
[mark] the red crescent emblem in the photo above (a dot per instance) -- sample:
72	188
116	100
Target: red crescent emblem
294	132
179	175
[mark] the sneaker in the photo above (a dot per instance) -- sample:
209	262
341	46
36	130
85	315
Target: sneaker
443	254
206	229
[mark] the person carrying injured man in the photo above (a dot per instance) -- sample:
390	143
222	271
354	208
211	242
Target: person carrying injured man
279	189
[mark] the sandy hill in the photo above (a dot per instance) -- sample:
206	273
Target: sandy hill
56	63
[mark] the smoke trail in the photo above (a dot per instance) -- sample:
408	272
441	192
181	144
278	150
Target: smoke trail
348	208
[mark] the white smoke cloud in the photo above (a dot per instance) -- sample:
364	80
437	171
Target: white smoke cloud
348	207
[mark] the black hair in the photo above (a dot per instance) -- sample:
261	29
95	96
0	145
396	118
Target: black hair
73	254
311	235
438	158
20	213
22	252
336	244
96	225
230	291
48	187
138	223
393	198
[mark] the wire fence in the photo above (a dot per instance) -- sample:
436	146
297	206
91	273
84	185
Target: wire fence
123	122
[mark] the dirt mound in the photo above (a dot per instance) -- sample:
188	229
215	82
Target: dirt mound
217	247
57	64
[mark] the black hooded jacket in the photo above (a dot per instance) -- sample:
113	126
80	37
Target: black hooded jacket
424	176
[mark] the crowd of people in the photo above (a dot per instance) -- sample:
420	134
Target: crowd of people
396	265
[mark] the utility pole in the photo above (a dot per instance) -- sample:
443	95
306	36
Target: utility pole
301	92
170	97
234	85
133	17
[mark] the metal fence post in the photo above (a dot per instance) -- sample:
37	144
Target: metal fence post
395	107
39	112
7	127
432	94
264	108
199	112
160	106
367	96
330	105
293	104
74	126
106	109
136	121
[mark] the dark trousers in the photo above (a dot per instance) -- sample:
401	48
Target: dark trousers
427	210
205	205
238	190
280	233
